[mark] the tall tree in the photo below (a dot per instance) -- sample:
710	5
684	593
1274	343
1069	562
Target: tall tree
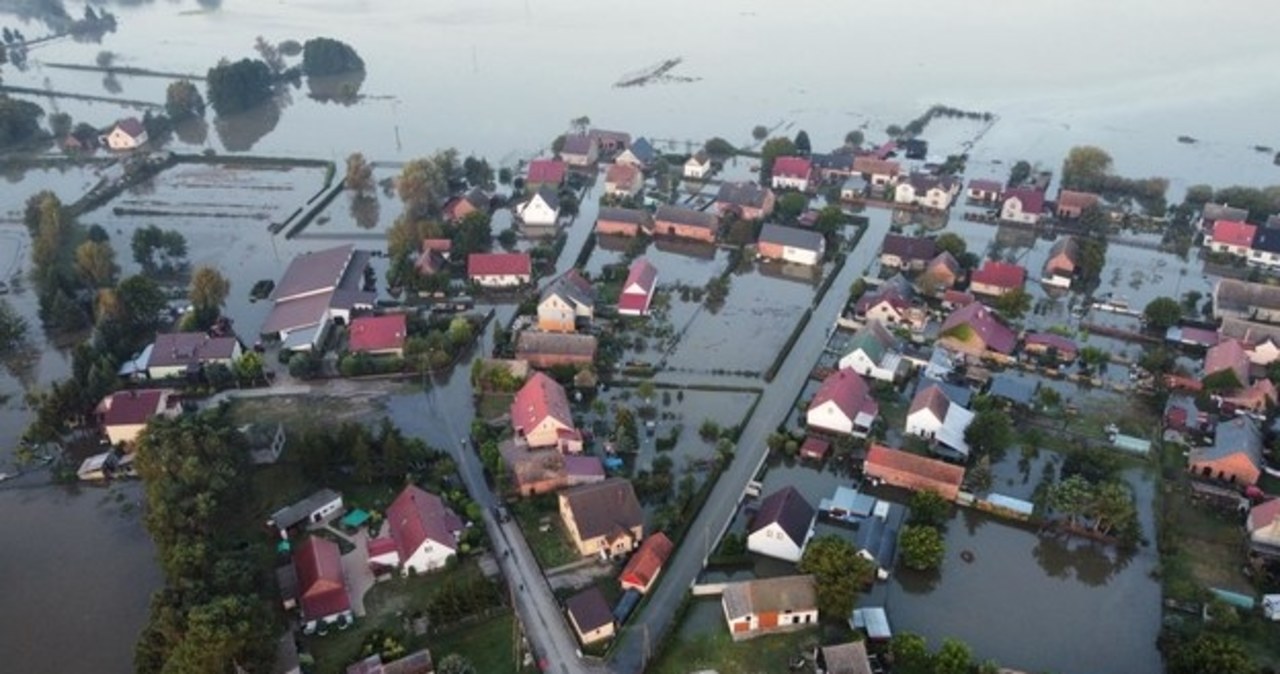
237	87
209	290
922	547
1085	167
422	186
990	433
182	100
359	174
774	148
840	573
1162	313
802	143
96	263
1210	652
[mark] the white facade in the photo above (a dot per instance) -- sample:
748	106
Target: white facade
1012	211
790	182
429	556
695	169
180	369
858	361
500	280
119	139
1263	258
904	193
829	417
536	211
804	256
773	541
1265	353
948	431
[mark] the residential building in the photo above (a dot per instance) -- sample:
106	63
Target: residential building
1071	203
878	172
833	167
317	290
322	587
985	191
909	253
314	509
127	134
936	418
814	448
540	210
1246	301
927	191
500	270
997	279
610	142
420	535
646	563
178	354
123	414
623	180
640	154
433	256
846	658
1235	455
623	221
545	173
1023	205
459	207
548	349
877	542
854	188
637	290
543	471
791	244
590	616
939	275
1263	524
912	471
579	149
1211	213
378	335
686	223
1227	355
1259	397
893	303
843	405
1262	342
698	166
974	330
874	352
1183	416
1265	251
745	200
540	412
1046	344
566	303
1231	237
769	606
791	173
1064	259
783	526
603	518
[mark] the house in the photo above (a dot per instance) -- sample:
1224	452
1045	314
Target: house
640	155
545	173
686	223
566	302
646	563
590	616
540	210
1211	213
123	414
745	200
782	526
127	134
623	180
549	349
936	418
314	509
1265	250
997	279
318	290
769	606
1023	205
178	354
791	173
843	405
540	411
846	658
848	505
940	274
1235	455
623	221
834	166
610	142
421	534
1262	342
957	299
1227	356
378	335
854	188
877	542
878	172
791	244
698	166
975	330
579	149
1246	301
417	662
1013	390
459	207
909	253
814	448
912	471
874	352
1259	397
927	191
603	518
1064	259
1071	204
985	191
433	256
1182	415
893	303
1231	237
1048	344
499	270
322	588
637	290
1263	524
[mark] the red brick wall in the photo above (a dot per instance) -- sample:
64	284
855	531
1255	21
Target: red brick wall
617	228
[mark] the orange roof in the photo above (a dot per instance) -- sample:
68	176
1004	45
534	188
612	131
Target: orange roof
1072	199
622	174
539	398
1264	515
1233	233
377	333
932	469
645	564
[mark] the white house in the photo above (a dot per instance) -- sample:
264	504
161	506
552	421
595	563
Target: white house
933	416
541	209
843	405
791	244
420	535
127	134
698	166
1022	205
792	173
782	526
313	509
926	191
873	352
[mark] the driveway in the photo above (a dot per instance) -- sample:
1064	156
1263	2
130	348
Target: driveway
355	567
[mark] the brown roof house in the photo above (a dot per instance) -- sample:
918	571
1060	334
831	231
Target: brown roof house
623	221
1064	258
1071	204
782	526
580	149
878	172
907	252
1235	455
590	615
912	471
746	200
124	414
1263	524
769	606
548	349
939	275
566	302
1246	301
647	562
540	411
178	353
974	330
603	518
843	405
623	180
686	223
847	658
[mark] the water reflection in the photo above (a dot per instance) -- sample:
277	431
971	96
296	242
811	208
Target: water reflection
918	582
112	84
365	211
1089	563
343	89
192	131
240	132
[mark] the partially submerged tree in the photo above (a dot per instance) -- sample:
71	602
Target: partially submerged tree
326	56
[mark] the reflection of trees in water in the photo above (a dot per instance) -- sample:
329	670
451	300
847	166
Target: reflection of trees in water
972	519
365	211
192	131
240	132
112	84
1091	563
918	582
20	362
343	89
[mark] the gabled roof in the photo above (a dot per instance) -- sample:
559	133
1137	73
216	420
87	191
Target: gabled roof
131	126
642	277
1234	233
895	297
619	137
548	195
590	610
984	185
1032	200
546	171
577	143
792	167
1000	275
417	516
539	398
1080	200
933	470
499	264
834	161
641	149
631	216
648	560
1214	212
532	343
874	340
1248	332
1066	246
700	158
923	182
132	406
604	508
314	272
933	399
1267	240
1244	297
622	174
323	591
794	237
377	333
746	194
770	595
572	288
985	326
1263	515
1237	436
873	166
943	261
909	247
849	658
789	510
687	217
1050	340
849	392
1228	354
182	348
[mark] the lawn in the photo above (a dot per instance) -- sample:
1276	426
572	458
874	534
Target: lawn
719	652
492	406
551	547
489	644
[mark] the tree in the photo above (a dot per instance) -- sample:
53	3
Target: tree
839	572
910	654
720	147
1199	195
477	171
51	234
854	138
209	290
1019	173
19	120
1085	167
455	664
473	234
774	148
1222	380
59	124
236	87
270	55
952	243
922	548
791	205
929	508
96	263
459	331
990	432
141	302
326	56
760	132
182	100
1014	304
422	186
954	657
1211	652
1162	313
13	328
249	367
148	240
803	146
359	174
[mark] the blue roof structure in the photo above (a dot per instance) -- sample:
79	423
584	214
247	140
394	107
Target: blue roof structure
848	505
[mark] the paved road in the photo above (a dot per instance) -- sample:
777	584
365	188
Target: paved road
639	638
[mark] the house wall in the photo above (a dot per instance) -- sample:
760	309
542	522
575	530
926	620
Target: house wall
545	433
904	193
923	424
500	280
984	196
773	622
860	363
910	480
125	434
790	183
1268	535
667	228
828	417
987	289
312	625
537	212
119	140
696	171
615	228
430	556
772	541
622	189
545	360
581	159
936	199
1265	353
1012	211
556	315
599	634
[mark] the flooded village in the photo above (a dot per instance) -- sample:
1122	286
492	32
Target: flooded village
672	365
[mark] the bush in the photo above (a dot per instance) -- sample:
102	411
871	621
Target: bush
236	87
326	56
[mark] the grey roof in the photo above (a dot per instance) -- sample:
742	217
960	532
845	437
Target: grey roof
960	395
290	515
643	151
1216	212
604	508
189	348
687	216
634	216
1237	435
789	510
835	161
573	288
1267	240
878	539
785	593
923	182
550	196
1248	331
313	272
589	609
909	247
1272	222
793	237
1244	297
854	183
577	143
746	193
849	658
1014	389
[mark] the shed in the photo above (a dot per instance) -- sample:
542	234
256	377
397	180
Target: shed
873	620
355	519
1131	444
1016	506
1234	598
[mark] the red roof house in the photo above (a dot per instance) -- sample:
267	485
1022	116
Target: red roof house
974	330
997	278
637	291
497	270
792	173
1044	342
1228	355
1231	236
843	405
378	335
1071	204
540	411
322	589
646	563
124	414
814	448
548	172
1023	204
423	530
912	471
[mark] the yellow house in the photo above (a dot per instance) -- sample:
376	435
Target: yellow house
603	518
